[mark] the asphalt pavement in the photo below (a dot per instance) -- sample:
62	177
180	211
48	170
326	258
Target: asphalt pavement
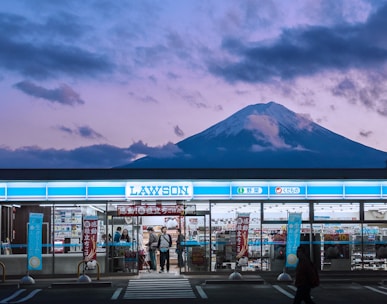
253	287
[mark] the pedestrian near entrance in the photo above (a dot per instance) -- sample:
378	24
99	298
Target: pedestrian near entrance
305	278
152	247
164	243
117	235
179	248
125	236
116	239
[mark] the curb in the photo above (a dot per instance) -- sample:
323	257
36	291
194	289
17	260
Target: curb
80	284
236	282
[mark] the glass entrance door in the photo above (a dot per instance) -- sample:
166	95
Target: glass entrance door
123	244
197	245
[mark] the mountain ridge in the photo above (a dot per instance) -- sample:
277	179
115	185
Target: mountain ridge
267	136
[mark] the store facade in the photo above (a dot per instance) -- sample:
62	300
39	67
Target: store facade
229	219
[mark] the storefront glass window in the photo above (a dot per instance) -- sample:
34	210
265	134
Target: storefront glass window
61	238
68	232
279	211
236	235
375	211
275	240
336	248
336	211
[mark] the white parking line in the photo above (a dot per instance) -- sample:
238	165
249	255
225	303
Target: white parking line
32	293
376	290
201	292
116	294
281	290
292	287
14	295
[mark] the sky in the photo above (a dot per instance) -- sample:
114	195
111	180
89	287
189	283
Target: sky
100	83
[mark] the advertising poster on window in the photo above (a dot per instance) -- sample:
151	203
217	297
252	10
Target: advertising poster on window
89	241
34	252
242	235
150	210
293	239
336	246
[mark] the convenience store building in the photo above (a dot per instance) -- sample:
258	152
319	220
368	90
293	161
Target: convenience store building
343	217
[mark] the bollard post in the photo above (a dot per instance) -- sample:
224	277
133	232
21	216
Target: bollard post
3	267
86	278
27	280
284	277
236	275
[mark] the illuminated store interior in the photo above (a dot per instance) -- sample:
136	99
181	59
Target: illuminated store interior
344	223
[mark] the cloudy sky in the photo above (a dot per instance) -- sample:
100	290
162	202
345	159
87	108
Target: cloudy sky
98	83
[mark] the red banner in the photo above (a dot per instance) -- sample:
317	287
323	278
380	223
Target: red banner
149	210
242	235
90	230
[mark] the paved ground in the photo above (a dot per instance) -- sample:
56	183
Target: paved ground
264	288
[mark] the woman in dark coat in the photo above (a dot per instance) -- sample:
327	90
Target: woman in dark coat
304	276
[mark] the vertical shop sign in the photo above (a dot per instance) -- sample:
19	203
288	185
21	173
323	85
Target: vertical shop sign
293	239
242	235
89	240
34	253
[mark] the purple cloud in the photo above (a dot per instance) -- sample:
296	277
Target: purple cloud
64	95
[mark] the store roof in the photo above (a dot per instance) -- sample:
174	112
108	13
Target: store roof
118	174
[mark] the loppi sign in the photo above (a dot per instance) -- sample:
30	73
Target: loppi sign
148	210
162	190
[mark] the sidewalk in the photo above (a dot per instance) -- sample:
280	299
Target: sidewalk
197	279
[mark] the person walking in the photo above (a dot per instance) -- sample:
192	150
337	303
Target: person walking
179	248
117	235
152	247
164	243
304	278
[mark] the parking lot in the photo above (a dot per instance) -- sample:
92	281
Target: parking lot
165	288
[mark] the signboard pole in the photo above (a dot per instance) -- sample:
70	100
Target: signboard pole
292	242
89	245
34	246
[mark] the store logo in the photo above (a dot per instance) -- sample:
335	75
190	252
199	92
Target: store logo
287	190
163	190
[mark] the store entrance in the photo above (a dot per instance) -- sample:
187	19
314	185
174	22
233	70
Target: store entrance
123	244
197	244
131	254
129	238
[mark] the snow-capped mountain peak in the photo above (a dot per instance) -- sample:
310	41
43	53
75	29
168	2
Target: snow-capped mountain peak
267	136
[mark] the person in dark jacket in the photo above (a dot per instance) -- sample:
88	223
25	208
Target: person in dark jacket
125	236
304	271
164	243
180	248
152	247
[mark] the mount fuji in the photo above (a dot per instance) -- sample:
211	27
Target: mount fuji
266	136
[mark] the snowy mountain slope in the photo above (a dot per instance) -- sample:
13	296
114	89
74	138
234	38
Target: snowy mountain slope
267	136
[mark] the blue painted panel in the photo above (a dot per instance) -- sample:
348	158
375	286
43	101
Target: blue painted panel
106	191
26	191
211	190
66	191
363	190
325	190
